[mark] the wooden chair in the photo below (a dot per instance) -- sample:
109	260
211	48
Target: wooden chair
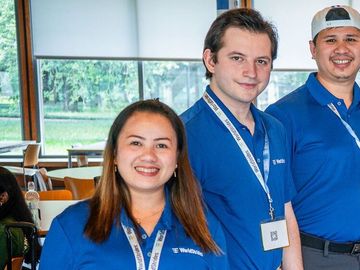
16	263
31	156
80	188
29	164
60	194
43	180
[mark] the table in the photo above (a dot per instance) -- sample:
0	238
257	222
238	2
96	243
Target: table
95	149
7	146
19	170
80	172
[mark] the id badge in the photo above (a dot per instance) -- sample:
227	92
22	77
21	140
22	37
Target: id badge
274	234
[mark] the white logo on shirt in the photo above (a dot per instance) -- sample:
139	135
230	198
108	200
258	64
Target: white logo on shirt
278	161
188	250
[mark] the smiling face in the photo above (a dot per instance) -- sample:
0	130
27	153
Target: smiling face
337	54
243	66
146	153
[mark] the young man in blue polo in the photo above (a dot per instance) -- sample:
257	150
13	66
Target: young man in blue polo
322	119
237	152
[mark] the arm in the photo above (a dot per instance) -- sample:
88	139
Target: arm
292	258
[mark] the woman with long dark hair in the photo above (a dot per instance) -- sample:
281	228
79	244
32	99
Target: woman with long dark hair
13	208
147	212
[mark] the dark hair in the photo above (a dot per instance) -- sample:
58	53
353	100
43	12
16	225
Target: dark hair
243	18
15	207
112	196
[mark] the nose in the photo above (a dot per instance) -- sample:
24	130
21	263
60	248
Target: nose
249	70
341	47
148	155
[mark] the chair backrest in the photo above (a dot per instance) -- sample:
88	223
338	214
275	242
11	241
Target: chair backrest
80	188
31	155
60	194
16	263
31	233
47	180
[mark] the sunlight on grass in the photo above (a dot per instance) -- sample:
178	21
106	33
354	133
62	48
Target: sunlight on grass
61	134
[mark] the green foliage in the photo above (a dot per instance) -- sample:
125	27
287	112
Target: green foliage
9	76
88	85
10	129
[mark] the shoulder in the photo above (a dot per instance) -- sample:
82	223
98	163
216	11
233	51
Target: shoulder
78	212
291	101
194	114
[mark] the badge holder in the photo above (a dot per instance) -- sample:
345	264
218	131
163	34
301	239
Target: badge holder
274	234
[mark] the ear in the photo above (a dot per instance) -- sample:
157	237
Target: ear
312	47
4	197
208	58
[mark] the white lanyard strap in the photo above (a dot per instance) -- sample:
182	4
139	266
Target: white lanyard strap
347	126
135	246
245	149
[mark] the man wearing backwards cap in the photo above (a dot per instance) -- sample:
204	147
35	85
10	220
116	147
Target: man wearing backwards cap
322	118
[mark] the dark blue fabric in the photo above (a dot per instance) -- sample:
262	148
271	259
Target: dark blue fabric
325	160
230	188
66	247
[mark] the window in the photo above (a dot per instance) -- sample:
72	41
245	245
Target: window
10	114
78	97
92	58
81	98
178	84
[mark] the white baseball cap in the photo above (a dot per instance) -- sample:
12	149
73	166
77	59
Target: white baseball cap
334	16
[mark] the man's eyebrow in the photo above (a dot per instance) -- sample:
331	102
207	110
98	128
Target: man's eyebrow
236	52
241	54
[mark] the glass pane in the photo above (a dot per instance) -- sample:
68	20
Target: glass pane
81	98
281	83
178	84
10	116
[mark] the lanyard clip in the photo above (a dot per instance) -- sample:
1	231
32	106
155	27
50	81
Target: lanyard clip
271	211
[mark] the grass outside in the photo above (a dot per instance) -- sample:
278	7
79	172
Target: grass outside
60	134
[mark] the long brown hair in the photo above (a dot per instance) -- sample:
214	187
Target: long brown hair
112	196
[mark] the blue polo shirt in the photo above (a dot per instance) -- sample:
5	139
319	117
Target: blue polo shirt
230	188
66	247
325	160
